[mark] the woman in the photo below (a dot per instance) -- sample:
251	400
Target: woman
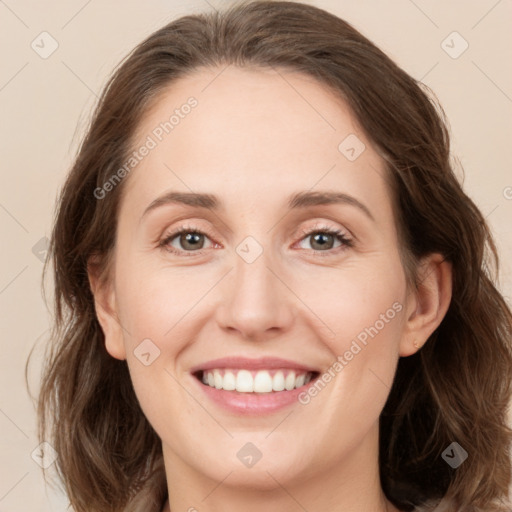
271	291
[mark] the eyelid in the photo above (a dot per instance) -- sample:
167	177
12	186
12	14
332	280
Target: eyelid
324	226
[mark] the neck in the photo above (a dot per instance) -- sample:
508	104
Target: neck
352	485
387	507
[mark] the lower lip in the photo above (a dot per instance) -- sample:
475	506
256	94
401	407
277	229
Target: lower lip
253	403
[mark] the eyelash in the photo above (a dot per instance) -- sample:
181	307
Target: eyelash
337	233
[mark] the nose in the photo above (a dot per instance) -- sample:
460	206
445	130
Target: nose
259	304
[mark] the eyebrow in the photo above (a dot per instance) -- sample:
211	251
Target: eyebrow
298	200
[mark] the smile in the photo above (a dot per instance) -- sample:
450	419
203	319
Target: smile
261	381
244	386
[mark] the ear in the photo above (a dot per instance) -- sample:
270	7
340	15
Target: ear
105	305
427	306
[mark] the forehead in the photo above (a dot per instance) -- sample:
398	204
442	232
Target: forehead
250	134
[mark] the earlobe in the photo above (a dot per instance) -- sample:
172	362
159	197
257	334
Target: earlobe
106	311
427	305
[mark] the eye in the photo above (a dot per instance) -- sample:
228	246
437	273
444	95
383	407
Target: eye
323	239
187	238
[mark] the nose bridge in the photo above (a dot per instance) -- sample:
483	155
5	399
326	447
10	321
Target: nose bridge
257	301
252	274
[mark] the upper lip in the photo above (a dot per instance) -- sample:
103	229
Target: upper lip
262	363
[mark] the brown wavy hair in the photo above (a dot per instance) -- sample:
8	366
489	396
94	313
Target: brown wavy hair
456	388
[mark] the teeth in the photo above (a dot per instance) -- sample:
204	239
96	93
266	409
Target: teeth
217	379
289	382
300	380
229	382
263	381
278	381
244	382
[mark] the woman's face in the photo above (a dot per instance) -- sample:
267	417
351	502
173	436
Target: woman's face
287	269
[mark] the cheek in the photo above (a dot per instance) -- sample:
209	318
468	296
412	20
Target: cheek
154	307
152	300
363	309
357	301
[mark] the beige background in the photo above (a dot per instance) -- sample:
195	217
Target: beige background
45	103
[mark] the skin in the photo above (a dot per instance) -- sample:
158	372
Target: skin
255	137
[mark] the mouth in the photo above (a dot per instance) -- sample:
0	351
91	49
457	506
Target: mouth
244	386
255	381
